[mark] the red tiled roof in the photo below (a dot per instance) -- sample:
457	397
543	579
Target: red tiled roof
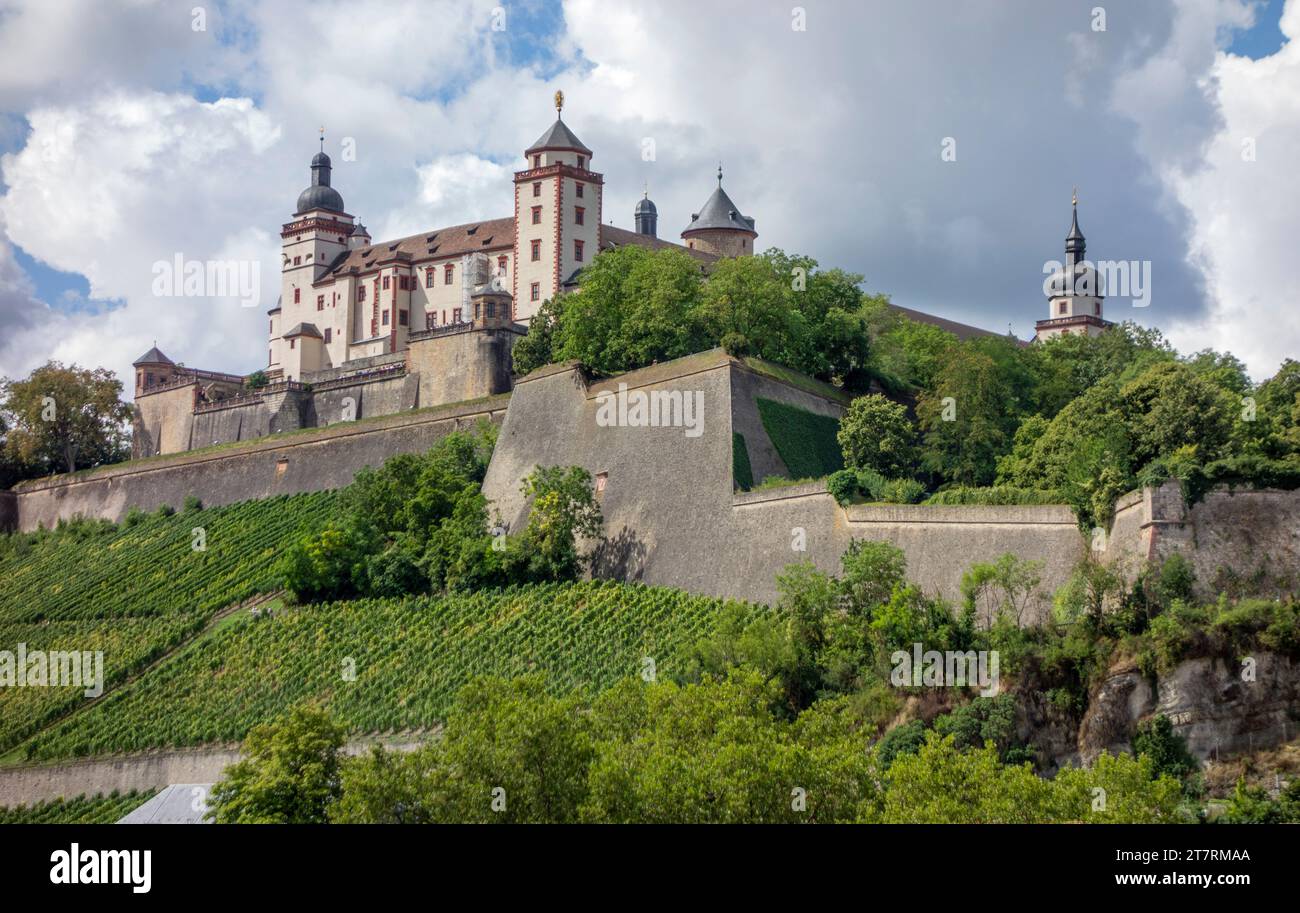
491	235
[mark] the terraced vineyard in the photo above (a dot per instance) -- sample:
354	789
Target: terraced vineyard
133	591
81	810
386	665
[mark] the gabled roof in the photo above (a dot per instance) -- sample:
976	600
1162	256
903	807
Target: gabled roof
304	329
558	137
610	236
493	234
153	357
720	212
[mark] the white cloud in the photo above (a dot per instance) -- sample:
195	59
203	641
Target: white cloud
1246	214
829	137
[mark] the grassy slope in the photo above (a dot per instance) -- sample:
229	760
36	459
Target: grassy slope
81	810
805	441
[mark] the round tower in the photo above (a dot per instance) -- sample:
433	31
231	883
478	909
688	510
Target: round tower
719	228
646	217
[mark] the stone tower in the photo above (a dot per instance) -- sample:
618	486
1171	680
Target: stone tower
317	235
719	228
557	215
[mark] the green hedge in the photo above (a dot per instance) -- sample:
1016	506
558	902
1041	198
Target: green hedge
995	495
804	440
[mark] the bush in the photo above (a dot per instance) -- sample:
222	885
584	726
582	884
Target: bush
165	510
903	491
995	495
1168	751
192	504
843	486
134	516
871	484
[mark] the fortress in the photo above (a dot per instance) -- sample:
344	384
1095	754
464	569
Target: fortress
365	329
379	349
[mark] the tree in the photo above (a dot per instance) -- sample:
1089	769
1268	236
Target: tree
564	509
65	418
289	775
1167	750
876	434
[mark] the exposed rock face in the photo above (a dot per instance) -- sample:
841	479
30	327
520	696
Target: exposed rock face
1220	707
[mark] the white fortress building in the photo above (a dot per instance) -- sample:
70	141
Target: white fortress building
344	297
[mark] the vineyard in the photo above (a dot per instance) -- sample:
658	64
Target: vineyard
133	591
82	810
386	665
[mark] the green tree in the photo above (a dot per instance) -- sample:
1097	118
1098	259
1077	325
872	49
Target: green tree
563	511
65	418
875	433
289	775
1167	750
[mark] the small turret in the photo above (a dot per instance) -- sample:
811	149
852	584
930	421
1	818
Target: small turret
647	217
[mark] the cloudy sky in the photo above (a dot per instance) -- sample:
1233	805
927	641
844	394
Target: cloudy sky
133	131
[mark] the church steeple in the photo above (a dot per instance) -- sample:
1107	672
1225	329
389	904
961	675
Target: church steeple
1076	248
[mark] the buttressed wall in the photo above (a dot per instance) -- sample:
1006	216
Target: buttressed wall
672	515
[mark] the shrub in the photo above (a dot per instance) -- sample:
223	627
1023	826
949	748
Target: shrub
165	510
903	491
1168	751
134	516
843	486
995	495
192	504
871	484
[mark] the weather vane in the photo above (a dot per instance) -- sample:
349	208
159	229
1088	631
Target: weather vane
559	102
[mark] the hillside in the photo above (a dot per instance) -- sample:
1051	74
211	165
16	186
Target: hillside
384	664
134	590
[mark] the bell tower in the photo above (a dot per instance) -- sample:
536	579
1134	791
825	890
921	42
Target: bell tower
557	215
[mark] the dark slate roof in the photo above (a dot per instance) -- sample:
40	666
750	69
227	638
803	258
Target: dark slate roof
304	329
645	204
153	357
558	137
360	230
320	196
720	212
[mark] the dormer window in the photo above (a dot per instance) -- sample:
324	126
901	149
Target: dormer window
582	163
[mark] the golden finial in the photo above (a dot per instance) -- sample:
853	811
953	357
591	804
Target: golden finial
559	102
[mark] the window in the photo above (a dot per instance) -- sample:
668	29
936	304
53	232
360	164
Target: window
577	189
401	318
537	161
385	316
297	260
270	326
537	188
320	302
455	315
297	295
491	308
579	214
361	293
1096	308
537	215
502	263
447	272
577	250
292	343
535	249
1060	308
401	283
385	283
582	162
535	292
329	335
270	358
428	277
